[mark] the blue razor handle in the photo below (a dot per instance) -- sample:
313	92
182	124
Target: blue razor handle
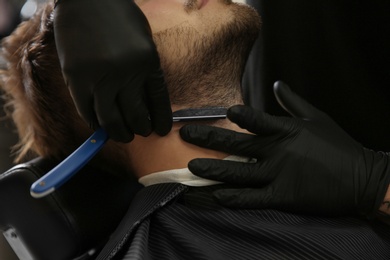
70	166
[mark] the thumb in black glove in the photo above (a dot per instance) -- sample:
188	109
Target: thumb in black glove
111	67
305	164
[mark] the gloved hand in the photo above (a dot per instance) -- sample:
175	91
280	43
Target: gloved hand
111	67
306	164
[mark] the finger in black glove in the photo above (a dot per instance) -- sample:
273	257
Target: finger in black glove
111	67
305	164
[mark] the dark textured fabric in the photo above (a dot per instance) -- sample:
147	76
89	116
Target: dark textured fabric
145	203
172	221
333	53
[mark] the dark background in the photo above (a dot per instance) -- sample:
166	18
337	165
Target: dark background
334	53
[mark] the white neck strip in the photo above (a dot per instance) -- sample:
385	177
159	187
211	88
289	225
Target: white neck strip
184	176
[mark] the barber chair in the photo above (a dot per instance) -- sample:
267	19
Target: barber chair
74	222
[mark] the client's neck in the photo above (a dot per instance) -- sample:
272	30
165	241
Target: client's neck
155	153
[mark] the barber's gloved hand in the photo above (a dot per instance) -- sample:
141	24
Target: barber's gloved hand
111	67
305	164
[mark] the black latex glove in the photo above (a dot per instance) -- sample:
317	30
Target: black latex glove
111	66
306	164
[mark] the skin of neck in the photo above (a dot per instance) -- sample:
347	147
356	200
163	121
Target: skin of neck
161	153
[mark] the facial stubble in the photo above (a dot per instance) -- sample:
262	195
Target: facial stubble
205	68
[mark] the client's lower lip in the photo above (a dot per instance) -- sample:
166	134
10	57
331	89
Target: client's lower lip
203	3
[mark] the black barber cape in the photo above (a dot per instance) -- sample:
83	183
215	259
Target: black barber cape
173	221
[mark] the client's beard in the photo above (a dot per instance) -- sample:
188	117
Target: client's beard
203	70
